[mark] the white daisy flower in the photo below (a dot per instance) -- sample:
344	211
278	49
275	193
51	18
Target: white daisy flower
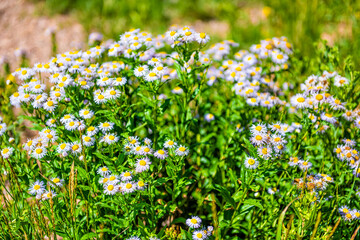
151	76
304	165
202	38
142	165
58	181
147	141
209	117
199	235
39	152
128	187
193	222
104	171
299	101
177	90
182	151
86	113
112	94
106	126
113	179
140	185
37	188
63	148
340	81
110	138
6	152
258	139
146	150
110	189
259	128
71	125
75	148
51	122
141	71
133	140
265	152
88	141
48	195
67	118
161	154
91	131
251	163
126	176
170	144
119	81
100	98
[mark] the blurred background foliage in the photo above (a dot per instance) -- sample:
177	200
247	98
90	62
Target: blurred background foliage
302	21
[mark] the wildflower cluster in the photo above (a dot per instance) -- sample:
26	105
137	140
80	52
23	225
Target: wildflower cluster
347	152
38	188
349	214
195	223
147	129
270	140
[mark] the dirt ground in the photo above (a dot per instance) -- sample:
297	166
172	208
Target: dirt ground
21	27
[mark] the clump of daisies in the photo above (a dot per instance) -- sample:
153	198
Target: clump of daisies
245	69
348	153
200	232
38	188
314	183
321	104
144	154
349	214
269	139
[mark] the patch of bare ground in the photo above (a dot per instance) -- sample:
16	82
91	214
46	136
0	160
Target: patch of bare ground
21	28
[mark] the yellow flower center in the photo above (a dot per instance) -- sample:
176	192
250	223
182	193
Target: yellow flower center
75	147
319	97
62	146
264	151
251	161
39	150
301	99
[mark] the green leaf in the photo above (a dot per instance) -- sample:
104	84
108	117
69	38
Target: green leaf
89	235
225	194
254	202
